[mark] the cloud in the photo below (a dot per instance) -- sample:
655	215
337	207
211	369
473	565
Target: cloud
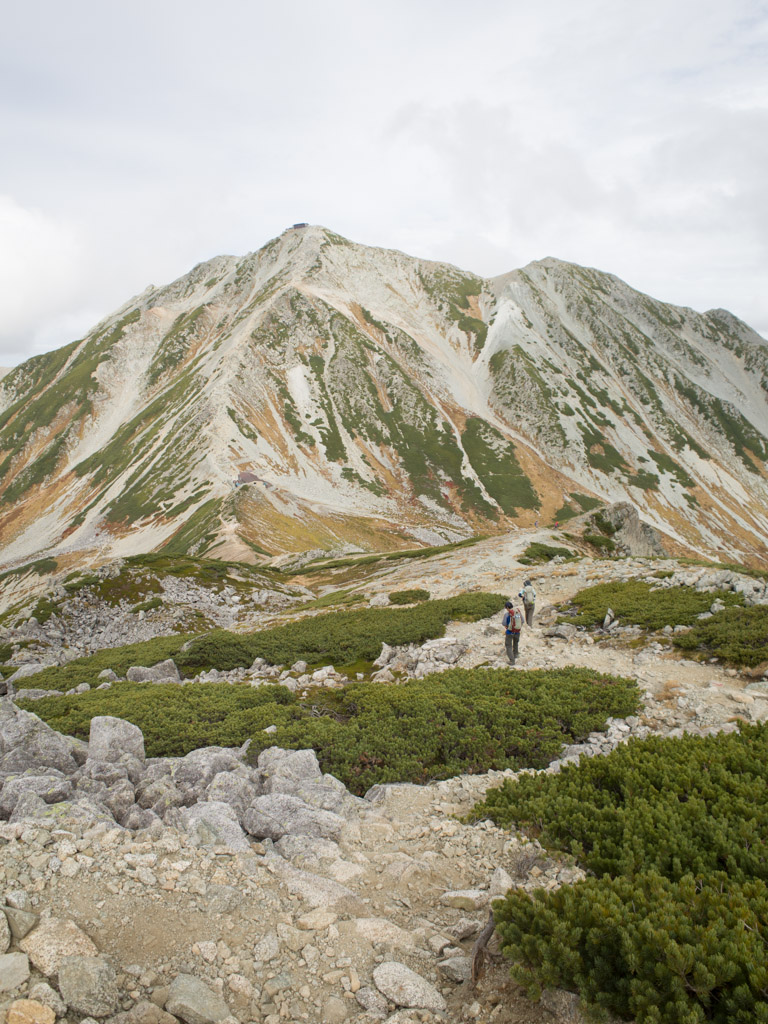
628	137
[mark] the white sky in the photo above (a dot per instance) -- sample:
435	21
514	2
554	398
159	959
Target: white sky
137	139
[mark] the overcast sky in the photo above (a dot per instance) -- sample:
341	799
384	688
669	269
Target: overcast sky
137	139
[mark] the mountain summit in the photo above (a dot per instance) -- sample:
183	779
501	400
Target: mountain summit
318	393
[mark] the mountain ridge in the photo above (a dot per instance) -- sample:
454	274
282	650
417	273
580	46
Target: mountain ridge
378	399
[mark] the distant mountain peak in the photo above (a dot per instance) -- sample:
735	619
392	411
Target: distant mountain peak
381	400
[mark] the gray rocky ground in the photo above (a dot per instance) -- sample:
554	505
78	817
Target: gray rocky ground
143	891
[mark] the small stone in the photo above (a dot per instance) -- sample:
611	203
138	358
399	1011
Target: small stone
14	971
21	922
29	1011
43	993
317	920
5	934
334	1011
193	1001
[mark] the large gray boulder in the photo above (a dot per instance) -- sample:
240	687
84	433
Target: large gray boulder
233	788
215	823
163	670
111	739
51	787
275	815
27	742
159	795
192	1001
88	985
196	770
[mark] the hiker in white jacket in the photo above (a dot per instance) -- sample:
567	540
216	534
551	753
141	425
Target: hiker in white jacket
528	596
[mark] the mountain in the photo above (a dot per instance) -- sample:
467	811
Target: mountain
320	394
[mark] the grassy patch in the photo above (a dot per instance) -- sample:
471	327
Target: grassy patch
635	601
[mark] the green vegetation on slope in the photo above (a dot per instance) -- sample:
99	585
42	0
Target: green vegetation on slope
738	635
338	638
637	602
674	927
449	723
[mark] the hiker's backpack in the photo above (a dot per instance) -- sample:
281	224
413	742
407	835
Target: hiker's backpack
529	595
516	620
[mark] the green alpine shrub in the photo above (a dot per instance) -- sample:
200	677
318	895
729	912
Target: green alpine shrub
408	596
738	635
637	602
645	948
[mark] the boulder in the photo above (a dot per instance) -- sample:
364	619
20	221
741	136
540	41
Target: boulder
288	764
192	1001
233	788
25	671
164	670
407	988
276	815
51	787
216	824
27	742
88	985
54	939
564	631
110	739
5	934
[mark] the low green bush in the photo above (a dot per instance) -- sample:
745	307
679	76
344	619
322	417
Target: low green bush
645	948
174	719
597	540
675	806
674	926
340	638
537	552
635	601
148	606
119	659
738	635
408	596
433	728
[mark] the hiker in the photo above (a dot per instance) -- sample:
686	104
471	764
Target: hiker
513	623
528	596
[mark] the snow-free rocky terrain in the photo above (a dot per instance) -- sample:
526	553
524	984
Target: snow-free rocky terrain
319	393
205	889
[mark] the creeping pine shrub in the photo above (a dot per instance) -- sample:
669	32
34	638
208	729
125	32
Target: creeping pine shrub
637	602
408	596
536	552
174	719
597	540
433	728
645	948
338	638
674	926
738	635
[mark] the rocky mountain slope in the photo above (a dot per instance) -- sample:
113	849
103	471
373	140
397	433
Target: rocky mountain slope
319	393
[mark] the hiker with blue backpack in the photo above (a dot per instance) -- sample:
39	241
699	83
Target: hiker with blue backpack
513	624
